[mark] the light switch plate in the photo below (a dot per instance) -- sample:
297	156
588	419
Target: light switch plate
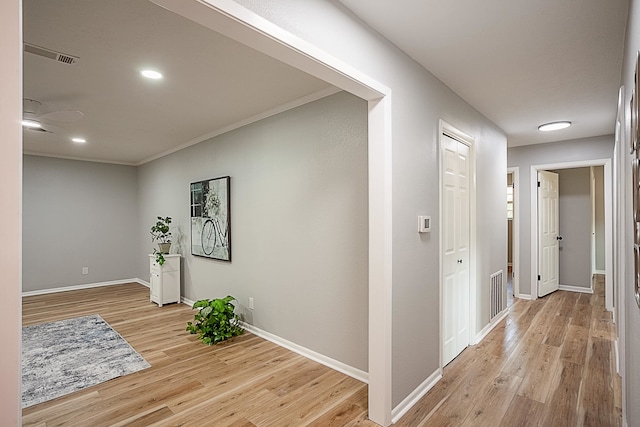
424	224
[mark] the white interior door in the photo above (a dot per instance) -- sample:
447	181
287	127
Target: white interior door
455	246
548	243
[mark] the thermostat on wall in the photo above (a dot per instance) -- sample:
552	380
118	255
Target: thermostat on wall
424	224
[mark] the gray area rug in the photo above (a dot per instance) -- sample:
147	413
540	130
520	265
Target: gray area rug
59	358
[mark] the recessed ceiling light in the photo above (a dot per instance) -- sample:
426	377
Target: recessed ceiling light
151	74
32	124
79	140
554	126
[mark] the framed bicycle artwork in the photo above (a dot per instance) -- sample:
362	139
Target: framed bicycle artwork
211	219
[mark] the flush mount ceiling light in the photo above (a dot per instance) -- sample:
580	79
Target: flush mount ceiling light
79	140
31	124
151	74
553	126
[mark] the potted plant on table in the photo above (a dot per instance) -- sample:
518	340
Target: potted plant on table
160	232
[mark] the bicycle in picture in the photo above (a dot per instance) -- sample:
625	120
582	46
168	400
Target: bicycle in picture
214	236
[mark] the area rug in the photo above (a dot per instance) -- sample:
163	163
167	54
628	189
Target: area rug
61	357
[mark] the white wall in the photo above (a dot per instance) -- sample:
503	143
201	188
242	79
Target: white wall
629	310
419	100
78	214
299	223
552	153
10	209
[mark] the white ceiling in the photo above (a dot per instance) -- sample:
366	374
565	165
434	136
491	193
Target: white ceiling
210	83
521	63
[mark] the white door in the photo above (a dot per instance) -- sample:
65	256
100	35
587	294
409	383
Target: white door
548	237
455	246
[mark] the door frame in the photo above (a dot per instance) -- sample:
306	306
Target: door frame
242	25
515	231
445	128
608	221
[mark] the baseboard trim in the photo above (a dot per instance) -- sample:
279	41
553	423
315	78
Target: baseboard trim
570	288
524	296
309	354
492	324
417	394
84	286
600	272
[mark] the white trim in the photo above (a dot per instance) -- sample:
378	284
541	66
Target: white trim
617	354
599	272
515	232
608	235
525	297
380	261
608	221
272	112
356	373
449	130
244	26
570	288
187	301
84	286
592	240
496	320
80	159
417	394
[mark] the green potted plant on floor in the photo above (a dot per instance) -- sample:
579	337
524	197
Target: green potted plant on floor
160	233
215	320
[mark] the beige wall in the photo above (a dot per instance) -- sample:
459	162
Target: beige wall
10	209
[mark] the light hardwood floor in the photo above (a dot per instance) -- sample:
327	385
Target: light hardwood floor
549	364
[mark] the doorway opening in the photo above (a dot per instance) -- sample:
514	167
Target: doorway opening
513	236
586	227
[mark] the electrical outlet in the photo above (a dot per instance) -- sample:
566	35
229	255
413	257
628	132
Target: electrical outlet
85	270
251	306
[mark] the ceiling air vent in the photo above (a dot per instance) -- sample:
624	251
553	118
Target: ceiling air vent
50	54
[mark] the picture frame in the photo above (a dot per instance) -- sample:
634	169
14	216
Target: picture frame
211	218
633	128
635	188
636	281
634	139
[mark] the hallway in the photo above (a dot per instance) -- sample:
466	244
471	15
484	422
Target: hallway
550	363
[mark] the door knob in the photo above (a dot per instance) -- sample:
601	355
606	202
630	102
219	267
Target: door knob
459	261
559	238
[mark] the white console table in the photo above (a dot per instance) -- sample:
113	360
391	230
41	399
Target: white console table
165	279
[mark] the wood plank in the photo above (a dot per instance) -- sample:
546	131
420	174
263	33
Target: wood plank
597	398
563	403
522	412
539	373
495	401
574	348
557	331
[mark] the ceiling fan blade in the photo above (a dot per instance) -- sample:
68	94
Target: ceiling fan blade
30	106
45	128
65	116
